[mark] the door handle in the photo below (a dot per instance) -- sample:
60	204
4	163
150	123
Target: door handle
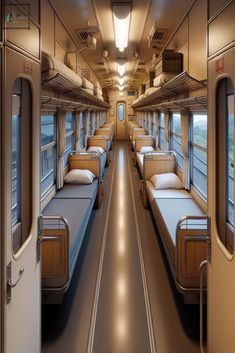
11	284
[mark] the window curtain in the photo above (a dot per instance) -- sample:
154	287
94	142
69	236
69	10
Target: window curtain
61	148
157	129
185	148
166	129
77	130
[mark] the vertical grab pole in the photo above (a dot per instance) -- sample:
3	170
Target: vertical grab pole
203	264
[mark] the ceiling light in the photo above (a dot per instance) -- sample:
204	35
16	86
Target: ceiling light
121	69
121	81
121	19
121	88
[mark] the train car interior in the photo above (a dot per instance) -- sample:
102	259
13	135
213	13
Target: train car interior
117	176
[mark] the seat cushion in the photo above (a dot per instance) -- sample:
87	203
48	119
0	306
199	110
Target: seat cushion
75	191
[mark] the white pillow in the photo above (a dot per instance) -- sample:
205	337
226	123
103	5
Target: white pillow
166	181
96	149
146	149
79	176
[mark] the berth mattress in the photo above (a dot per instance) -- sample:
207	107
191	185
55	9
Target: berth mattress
77	213
167	213
166	193
77	191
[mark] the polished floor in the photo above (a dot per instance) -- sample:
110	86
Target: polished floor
121	299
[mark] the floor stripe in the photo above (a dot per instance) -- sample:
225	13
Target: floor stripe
99	275
143	271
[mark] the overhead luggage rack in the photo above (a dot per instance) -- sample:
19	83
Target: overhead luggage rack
57	76
182	83
192	103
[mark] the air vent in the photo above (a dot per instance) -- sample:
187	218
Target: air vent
83	33
157	36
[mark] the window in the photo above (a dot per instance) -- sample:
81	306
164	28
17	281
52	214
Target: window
176	138
48	152
161	131
89	123
199	153
82	130
153	124
15	168
121	111
230	158
70	136
21	163
225	163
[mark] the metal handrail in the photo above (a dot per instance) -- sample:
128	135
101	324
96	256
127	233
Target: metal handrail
203	264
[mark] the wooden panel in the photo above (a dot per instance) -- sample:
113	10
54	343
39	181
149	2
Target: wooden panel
215	6
48	28
222	29
26	39
190	255
91	162
197	40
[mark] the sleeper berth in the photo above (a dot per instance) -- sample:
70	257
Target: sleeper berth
182	227
137	131
138	156
104	142
63	222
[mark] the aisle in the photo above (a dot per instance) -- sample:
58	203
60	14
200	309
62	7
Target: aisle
120	321
121	281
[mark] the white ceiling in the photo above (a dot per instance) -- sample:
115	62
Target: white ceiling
77	13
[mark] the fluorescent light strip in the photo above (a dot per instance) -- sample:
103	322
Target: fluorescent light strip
121	81
121	69
121	19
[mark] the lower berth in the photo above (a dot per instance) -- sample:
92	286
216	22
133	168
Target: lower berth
183	228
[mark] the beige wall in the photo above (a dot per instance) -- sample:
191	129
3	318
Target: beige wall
114	97
190	40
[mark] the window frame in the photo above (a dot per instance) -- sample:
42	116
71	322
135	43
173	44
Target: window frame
201	148
51	145
68	150
162	131
82	128
176	135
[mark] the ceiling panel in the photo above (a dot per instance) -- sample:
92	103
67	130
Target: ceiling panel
78	13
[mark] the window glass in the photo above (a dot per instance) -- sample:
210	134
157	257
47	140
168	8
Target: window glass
69	123
230	159
15	169
161	131
82	130
176	143
21	163
121	111
48	152
199	153
225	163
153	128
70	136
48	133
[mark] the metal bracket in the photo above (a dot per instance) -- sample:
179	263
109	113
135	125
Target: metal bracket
11	285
